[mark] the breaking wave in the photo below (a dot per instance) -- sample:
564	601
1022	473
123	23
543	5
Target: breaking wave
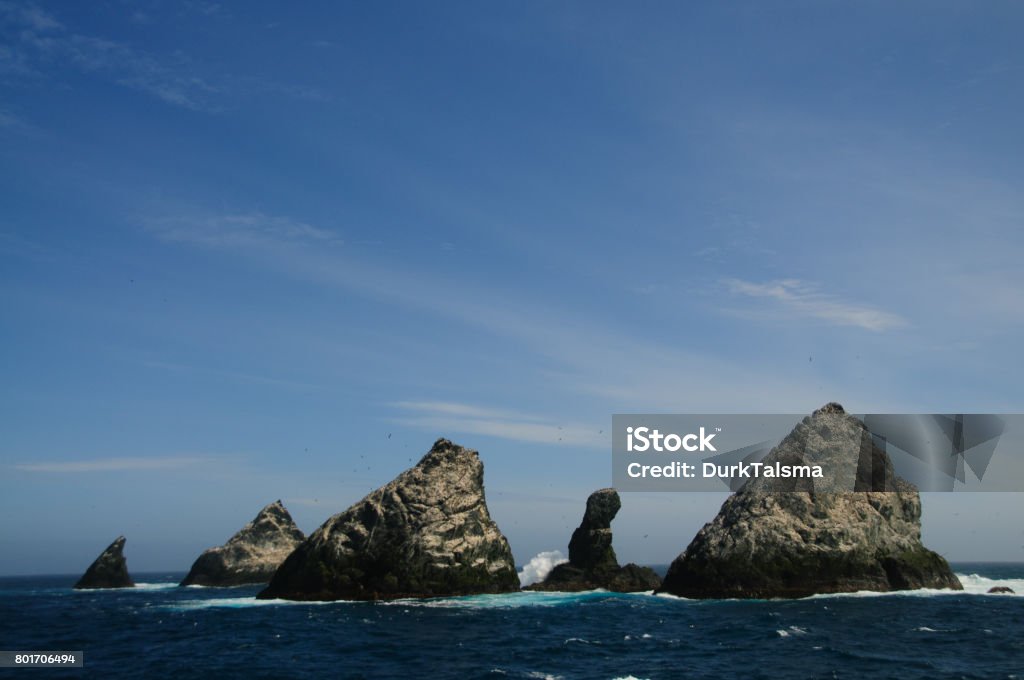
537	569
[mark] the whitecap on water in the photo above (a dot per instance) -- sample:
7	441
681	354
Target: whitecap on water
973	585
509	600
582	641
980	585
139	587
235	603
793	630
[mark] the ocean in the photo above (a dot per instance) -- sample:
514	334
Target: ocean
160	630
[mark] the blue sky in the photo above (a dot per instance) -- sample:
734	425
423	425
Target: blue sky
251	252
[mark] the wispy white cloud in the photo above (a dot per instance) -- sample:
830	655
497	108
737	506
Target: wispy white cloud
168	80
465	410
251	229
238	376
33	41
116	464
465	418
28	14
797	297
36	40
206	8
626	371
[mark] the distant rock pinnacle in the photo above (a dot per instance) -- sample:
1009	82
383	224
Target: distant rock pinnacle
592	562
250	556
109	570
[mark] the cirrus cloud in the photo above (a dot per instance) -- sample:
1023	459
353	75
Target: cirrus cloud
803	299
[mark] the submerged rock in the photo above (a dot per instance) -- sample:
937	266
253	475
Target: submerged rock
793	538
592	562
250	556
1001	589
109	570
426	533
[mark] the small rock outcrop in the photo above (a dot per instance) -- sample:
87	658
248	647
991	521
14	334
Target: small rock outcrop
109	570
858	528
1002	589
426	533
592	562
250	556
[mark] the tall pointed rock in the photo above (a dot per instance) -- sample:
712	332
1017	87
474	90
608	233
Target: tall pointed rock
426	533
109	570
786	538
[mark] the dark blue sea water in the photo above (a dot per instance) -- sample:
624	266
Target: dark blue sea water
160	630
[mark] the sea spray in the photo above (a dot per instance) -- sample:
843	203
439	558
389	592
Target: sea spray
537	569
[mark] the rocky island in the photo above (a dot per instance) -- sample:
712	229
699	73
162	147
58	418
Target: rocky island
592	562
109	570
250	556
426	533
858	528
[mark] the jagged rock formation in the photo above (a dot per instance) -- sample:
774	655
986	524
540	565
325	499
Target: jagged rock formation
109	570
797	537
250	556
426	533
592	562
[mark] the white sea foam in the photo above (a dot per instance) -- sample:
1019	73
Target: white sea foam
582	641
973	585
977	584
235	603
507	600
670	596
539	566
138	587
793	630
